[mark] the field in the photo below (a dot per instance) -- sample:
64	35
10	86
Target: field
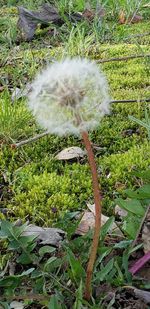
37	188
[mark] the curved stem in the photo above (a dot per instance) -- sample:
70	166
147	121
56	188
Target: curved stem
98	206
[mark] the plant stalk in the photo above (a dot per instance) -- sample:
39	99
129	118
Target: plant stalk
98	207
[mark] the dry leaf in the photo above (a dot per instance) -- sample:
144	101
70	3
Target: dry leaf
18	93
47	14
120	212
70	153
134	19
45	236
144	295
100	12
146	237
28	20
146	5
16	305
1	88
130	20
122	18
146	233
88	222
88	14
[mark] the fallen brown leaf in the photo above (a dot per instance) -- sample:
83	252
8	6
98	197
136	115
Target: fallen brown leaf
88	222
122	18
70	153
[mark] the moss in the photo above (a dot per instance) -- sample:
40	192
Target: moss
120	166
45	196
44	190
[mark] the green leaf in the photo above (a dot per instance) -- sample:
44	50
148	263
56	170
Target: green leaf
133	206
79	297
39	284
4	305
10	281
144	174
46	249
6	228
142	193
106	227
13	281
130	225
105	270
27	272
26	258
36	274
49	261
125	265
135	248
123	244
102	253
27	239
18	230
54	304
14	245
142	123
76	267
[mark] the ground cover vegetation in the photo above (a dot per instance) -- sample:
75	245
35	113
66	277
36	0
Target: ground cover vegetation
36	187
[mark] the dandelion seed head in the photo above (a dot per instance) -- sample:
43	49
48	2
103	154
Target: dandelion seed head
70	96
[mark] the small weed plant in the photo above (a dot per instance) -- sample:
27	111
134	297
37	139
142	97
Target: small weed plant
46	273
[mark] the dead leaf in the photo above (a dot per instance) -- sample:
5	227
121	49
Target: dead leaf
88	14
17	305
120	212
2	88
146	233
122	18
146	237
28	20
45	236
70	153
134	19
144	295
100	11
18	93
88	222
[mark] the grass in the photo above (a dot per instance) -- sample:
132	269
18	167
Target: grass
33	181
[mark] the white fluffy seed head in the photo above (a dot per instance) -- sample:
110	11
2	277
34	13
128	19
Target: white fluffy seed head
69	97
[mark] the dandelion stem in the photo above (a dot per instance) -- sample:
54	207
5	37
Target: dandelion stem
98	206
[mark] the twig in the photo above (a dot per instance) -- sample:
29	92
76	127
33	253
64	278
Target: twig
98	207
30	140
122	58
130	101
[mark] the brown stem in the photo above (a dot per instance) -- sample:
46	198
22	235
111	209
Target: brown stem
98	206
